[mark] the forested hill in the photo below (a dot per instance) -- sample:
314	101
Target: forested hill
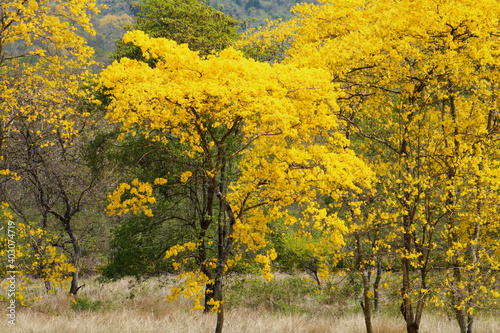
258	10
111	22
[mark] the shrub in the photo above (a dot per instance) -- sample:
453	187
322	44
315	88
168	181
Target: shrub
85	304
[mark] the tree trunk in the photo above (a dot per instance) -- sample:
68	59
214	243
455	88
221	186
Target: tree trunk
376	284
74	282
209	294
225	234
458	294
220	319
209	190
77	254
412	320
470	324
202	258
366	304
406	307
473	247
220	313
413	328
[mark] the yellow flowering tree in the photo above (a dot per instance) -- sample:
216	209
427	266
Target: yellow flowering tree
263	140
419	82
206	30
56	188
42	65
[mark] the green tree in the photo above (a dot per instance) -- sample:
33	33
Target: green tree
193	22
139	242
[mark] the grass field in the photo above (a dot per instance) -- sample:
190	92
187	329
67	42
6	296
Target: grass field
287	304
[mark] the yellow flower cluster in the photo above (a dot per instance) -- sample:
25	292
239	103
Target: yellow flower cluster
192	287
47	261
266	261
141	195
176	249
417	85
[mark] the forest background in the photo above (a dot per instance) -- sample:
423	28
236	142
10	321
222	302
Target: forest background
344	142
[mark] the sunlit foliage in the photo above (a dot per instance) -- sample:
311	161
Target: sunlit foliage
420	96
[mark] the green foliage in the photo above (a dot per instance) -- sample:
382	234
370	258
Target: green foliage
294	294
86	304
294	253
139	242
344	293
278	295
138	249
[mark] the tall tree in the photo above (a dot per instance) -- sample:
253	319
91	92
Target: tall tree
42	65
205	30
55	186
273	121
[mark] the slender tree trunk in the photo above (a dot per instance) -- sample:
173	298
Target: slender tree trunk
470	324
202	253
223	244
222	257
77	251
473	250
209	294
202	257
77	254
406	307
376	284
412	322
316	277
74	282
412	319
225	231
366	304
219	296
458	293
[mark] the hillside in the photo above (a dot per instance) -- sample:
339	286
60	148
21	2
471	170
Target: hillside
256	11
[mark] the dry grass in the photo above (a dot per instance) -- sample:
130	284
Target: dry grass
135	308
